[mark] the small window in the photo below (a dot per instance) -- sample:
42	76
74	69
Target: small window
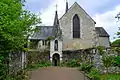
56	45
44	42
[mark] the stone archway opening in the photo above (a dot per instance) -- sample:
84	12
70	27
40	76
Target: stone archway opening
56	59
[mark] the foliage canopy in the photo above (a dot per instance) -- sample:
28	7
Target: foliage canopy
116	43
15	25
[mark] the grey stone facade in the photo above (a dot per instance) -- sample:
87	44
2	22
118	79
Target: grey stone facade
87	29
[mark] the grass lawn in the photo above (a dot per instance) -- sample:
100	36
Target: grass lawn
110	77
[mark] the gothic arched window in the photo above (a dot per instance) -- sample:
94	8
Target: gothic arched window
56	45
76	27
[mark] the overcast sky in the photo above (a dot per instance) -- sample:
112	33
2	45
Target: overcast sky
102	11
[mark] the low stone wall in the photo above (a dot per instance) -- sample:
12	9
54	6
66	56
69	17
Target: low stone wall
37	56
83	55
17	61
93	56
69	55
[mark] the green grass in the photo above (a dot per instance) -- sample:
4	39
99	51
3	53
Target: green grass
43	63
110	77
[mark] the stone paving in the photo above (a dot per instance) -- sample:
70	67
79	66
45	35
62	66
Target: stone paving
57	73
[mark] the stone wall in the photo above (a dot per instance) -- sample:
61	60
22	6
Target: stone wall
104	41
92	56
17	61
69	55
37	56
82	55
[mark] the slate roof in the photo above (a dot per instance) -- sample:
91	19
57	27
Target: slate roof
47	31
101	32
43	33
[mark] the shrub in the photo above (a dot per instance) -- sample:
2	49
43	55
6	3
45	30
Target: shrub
117	61
71	63
94	74
40	64
85	67
64	63
110	77
32	66
20	75
44	63
101	50
108	61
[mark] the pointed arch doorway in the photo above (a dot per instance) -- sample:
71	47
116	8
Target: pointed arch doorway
56	59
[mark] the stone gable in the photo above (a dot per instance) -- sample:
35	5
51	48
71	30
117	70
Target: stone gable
87	29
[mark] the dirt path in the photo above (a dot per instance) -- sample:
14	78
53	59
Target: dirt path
57	73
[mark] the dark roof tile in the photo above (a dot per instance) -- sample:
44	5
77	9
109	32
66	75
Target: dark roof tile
101	32
43	33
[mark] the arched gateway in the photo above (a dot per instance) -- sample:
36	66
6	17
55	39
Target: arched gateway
56	59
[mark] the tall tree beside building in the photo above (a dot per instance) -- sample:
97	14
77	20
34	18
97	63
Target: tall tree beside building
15	27
15	24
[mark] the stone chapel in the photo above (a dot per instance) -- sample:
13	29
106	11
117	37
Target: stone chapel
75	30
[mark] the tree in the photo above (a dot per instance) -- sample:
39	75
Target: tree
14	25
15	28
116	43
108	61
118	17
116	46
117	61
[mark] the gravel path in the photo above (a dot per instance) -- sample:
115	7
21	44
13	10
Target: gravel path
57	73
